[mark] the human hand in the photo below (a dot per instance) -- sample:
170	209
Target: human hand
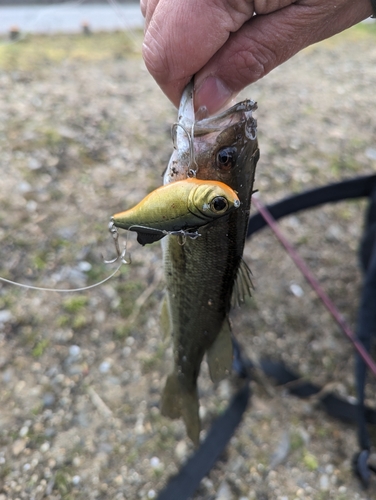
226	47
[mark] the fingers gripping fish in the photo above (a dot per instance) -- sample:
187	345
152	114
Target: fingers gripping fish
202	274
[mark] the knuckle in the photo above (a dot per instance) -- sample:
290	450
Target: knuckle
253	65
154	57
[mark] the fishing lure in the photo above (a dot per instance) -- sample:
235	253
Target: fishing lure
178	208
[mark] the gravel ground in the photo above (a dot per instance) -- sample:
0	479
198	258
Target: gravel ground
85	133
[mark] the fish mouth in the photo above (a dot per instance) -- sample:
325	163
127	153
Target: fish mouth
190	124
191	135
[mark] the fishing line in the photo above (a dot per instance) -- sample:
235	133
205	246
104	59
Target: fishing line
192	235
62	290
119	257
192	152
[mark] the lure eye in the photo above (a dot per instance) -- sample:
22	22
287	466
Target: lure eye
219	204
226	158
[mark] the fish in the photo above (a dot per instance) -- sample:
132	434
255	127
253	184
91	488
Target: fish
179	208
206	276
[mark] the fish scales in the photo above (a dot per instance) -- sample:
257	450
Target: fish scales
200	274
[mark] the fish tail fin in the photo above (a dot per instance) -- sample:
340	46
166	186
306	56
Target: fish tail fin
178	401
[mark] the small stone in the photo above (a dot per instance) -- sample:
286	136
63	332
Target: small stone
45	447
48	399
31	206
24	431
5	316
18	446
104	367
100	316
34	164
329	469
151	494
296	290
181	450
84	266
74	351
324	482
118	480
224	492
76	480
155	462
127	351
371	153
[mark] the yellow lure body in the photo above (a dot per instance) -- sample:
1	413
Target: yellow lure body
179	206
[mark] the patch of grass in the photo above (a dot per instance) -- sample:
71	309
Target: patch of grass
310	461
368	29
42	51
79	322
296	441
62	320
4	471
63	483
75	304
359	32
122	331
40	261
40	348
346	163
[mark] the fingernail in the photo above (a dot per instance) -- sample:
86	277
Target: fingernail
211	94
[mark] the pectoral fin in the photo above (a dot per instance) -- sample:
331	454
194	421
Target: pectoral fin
178	401
219	356
243	284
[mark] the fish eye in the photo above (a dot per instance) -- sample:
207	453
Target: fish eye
226	158
219	204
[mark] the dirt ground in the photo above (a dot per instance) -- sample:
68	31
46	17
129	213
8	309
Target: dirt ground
85	133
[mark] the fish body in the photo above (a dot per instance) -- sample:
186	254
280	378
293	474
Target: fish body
201	275
185	205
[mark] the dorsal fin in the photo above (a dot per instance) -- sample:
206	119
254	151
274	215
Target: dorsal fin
243	284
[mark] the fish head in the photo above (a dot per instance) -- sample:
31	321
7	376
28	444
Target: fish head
218	148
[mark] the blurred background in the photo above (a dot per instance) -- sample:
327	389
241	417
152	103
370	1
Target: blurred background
69	17
84	133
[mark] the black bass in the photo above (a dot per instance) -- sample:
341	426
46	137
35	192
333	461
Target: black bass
180	208
202	275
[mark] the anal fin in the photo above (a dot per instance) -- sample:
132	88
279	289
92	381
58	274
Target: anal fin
243	284
219	355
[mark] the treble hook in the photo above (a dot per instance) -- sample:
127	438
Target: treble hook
120	254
